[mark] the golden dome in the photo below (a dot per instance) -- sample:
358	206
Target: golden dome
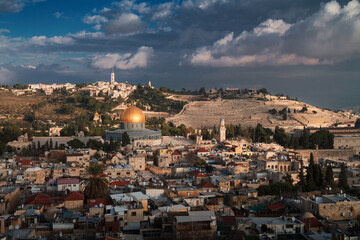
132	115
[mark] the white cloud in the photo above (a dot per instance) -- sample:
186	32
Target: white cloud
272	26
131	5
43	40
87	35
27	66
204	57
124	61
163	10
4	30
58	15
94	19
202	4
125	23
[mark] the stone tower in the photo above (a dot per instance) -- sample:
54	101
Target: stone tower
222	131
112	80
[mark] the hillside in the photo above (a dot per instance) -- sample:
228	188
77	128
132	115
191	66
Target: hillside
249	112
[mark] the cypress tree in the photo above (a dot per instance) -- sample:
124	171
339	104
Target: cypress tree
342	177
125	140
329	176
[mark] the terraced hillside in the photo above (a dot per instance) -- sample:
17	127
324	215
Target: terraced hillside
250	112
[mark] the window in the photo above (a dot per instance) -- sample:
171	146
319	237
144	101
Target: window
133	213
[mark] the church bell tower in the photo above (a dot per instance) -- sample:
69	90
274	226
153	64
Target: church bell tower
112	80
222	131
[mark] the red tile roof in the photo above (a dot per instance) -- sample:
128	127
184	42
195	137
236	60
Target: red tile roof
119	183
194	172
74	196
176	154
207	185
25	162
202	150
68	181
313	222
38	198
276	206
201	174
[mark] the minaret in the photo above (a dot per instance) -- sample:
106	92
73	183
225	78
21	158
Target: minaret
112	81
222	131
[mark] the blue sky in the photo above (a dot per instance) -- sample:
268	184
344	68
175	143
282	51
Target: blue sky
305	48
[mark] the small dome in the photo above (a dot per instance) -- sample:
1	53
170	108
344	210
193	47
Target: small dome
118	166
132	115
128	166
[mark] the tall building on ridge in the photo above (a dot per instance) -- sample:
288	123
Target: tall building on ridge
112	80
222	131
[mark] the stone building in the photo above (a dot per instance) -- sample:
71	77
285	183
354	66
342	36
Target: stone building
120	171
138	162
74	200
9	199
332	207
78	159
36	175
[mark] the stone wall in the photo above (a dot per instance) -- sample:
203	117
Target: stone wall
340	210
345	154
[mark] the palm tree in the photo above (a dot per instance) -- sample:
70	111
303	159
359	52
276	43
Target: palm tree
96	186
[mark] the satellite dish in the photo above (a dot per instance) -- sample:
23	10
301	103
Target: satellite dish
11	227
101	205
17	227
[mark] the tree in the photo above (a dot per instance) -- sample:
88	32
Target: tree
343	177
76	143
273	111
125	140
288	179
322	139
96	186
263	91
94	144
329	176
284	116
280	136
301	174
305	139
304	109
310	181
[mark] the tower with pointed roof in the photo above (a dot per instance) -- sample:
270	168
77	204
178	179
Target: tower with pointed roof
112	80
222	131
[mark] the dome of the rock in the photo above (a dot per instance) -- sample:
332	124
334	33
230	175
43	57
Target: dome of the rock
132	115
